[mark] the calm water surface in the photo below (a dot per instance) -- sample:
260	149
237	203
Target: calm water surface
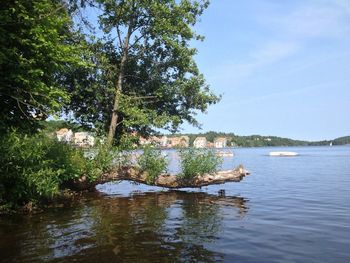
293	209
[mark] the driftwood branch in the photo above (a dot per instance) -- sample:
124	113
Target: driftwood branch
131	173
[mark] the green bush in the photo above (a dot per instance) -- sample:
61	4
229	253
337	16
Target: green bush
101	162
153	163
33	168
198	162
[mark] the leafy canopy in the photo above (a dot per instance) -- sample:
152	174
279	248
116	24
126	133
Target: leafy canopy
35	52
161	85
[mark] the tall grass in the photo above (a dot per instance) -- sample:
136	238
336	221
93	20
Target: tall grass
153	163
198	162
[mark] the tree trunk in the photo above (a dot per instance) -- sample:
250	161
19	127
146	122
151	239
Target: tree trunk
119	88
132	173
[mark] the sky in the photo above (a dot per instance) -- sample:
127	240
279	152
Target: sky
282	67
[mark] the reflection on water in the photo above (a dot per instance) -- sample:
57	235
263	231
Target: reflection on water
298	211
152	226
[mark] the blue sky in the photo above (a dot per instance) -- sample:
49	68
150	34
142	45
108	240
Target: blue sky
283	67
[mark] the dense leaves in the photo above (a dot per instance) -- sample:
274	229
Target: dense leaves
145	73
35	51
261	141
138	74
198	162
35	167
153	163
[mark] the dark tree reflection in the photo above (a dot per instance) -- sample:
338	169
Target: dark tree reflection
172	226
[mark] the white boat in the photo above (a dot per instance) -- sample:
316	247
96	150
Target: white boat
283	154
224	153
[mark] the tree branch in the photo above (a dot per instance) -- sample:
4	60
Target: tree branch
132	173
137	40
119	37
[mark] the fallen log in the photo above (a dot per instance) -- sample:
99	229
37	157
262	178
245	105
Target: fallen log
132	173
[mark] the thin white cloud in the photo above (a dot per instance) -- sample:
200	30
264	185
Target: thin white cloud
322	19
289	93
291	30
268	54
273	51
322	60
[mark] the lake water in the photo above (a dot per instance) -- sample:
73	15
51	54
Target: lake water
290	209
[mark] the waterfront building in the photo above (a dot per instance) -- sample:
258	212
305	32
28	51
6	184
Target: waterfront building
220	142
200	142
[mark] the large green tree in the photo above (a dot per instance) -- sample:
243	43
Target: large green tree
37	47
145	75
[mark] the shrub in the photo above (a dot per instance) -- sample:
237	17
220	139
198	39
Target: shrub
33	168
101	162
153	163
122	157
197	162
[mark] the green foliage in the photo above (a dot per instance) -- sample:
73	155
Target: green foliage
262	141
198	162
37	47
101	162
52	126
33	168
162	86
341	140
153	163
252	140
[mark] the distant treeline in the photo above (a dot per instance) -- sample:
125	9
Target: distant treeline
261	141
233	140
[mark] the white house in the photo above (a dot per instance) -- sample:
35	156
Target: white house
84	139
220	142
200	142
64	135
163	141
